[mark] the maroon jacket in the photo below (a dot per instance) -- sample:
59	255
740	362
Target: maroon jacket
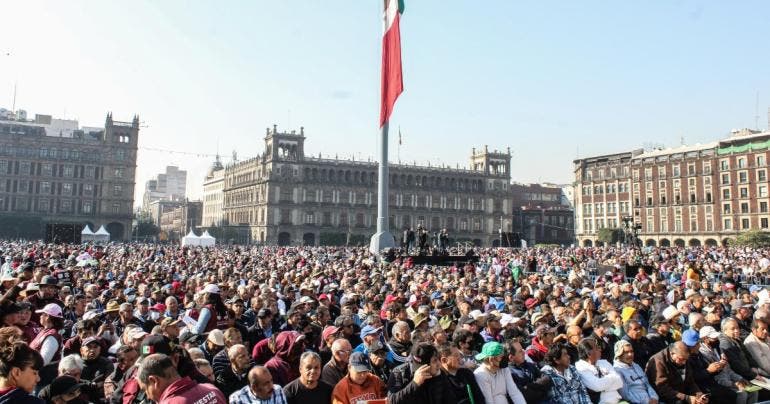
284	366
186	390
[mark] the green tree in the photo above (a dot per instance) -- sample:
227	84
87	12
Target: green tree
754	239
146	228
609	236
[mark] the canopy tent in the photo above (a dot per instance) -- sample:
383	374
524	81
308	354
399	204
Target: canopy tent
191	239
206	240
86	234
101	235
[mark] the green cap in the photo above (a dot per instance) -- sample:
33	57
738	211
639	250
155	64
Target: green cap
490	349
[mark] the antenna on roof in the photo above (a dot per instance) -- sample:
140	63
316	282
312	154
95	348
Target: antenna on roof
681	140
756	112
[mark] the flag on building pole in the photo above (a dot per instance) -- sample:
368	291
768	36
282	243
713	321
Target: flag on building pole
392	80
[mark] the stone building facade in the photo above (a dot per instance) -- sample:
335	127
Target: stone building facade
542	214
286	197
213	195
84	177
176	222
688	195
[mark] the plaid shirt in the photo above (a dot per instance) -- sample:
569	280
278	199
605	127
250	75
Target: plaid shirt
245	396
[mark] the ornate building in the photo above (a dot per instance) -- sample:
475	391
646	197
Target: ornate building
213	195
687	195
65	175
286	197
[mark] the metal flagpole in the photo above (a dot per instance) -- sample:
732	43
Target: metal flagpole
382	239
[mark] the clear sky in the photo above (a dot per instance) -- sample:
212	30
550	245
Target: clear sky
552	80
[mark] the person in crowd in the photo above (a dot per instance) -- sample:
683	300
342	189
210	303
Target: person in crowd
213	314
378	358
308	388
635	335
660	337
401	342
359	384
159	379
757	345
125	358
636	388
233	376
495	380
544	338
566	385
673	375
464	341
600	379
337	367
96	367
713	373
420	380
221	360
284	366
738	356
461	380
604	338
19	367
528	378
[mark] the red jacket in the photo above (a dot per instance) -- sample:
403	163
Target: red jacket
187	391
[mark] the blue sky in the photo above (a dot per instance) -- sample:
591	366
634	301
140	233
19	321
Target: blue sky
548	79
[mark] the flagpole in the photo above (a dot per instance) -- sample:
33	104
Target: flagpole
382	239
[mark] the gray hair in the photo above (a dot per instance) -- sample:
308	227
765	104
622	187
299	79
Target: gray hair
400	327
196	353
309	356
70	362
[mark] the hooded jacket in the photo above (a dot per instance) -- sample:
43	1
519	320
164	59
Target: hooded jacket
186	390
280	366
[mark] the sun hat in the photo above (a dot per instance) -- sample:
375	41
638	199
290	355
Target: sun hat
490	349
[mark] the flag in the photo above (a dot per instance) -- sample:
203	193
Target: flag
392	83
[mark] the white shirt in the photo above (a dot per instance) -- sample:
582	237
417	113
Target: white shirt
496	386
602	378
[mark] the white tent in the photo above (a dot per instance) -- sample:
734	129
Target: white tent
101	235
191	239
207	240
86	234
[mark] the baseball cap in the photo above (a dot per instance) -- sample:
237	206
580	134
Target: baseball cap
328	331
709	332
211	288
52	309
359	362
156	344
90	340
160	307
369	330
490	349
217	337
690	337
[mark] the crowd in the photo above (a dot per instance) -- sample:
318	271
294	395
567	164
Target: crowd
140	323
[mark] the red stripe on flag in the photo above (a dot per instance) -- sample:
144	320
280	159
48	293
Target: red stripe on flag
392	80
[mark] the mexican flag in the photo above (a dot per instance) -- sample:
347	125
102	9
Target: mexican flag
392	80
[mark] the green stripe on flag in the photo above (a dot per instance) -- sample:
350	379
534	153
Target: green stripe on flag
401	6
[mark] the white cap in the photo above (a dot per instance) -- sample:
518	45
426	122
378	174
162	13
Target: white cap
475	314
709	332
211	288
670	312
52	309
217	337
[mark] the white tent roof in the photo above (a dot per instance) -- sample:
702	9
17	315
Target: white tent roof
102	231
87	230
206	235
191	234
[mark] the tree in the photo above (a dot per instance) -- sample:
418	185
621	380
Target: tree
754	239
609	236
146	228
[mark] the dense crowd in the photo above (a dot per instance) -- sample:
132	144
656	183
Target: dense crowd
141	323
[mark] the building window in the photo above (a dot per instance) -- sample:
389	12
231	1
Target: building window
726	193
66	205
69	171
117	190
760	160
763	207
45	187
66	188
90	172
741	162
743	176
707	168
724	164
763	222
744	192
120	155
744	207
309	218
725	178
744	224
762	191
728	224
709	224
726	208
691	169
87	207
708	197
25	168
675	169
88	189
118	173
43	205
116	208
